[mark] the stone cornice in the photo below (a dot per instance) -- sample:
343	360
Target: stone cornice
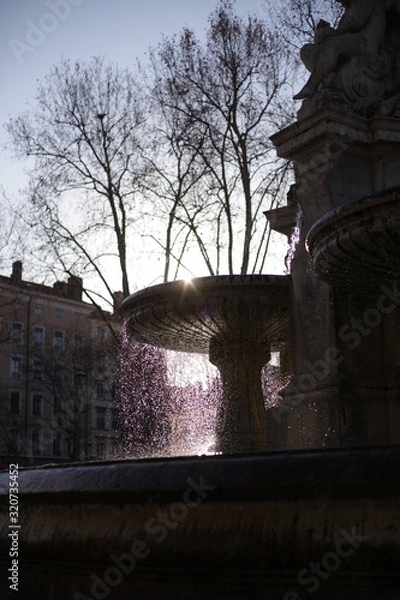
25	291
314	130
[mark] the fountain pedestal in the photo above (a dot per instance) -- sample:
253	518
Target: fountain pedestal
241	423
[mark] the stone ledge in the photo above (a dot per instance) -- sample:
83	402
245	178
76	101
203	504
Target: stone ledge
271	472
327	124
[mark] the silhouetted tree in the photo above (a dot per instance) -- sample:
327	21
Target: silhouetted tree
197	145
83	136
220	100
297	20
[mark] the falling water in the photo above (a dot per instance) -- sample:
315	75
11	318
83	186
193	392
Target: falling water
196	390
167	401
143	399
272	382
294	240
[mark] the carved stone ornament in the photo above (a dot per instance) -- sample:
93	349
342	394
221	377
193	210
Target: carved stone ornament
356	67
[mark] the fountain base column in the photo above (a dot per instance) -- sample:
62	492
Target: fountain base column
241	423
338	364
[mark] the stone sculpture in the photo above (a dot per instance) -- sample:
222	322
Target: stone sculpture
356	67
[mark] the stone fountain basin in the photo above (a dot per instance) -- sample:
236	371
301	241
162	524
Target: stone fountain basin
254	523
186	315
357	246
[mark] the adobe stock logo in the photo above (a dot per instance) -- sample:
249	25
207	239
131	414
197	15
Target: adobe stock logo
36	33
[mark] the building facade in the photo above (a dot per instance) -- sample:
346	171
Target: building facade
57	368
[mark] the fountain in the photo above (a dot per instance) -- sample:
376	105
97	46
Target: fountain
234	319
357	246
320	513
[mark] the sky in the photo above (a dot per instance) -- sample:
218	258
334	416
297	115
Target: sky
35	34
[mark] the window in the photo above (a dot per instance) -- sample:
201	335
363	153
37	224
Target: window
58	340
101	449
37	403
57	444
59	313
15	398
78	317
57	406
100	389
15	444
38	309
78	343
16	332
115	419
38	337
58	372
100	361
36	443
37	370
100	333
16	363
79	376
100	418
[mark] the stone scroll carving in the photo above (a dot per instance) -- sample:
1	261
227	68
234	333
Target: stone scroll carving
356	66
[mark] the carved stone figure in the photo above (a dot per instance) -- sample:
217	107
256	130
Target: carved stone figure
357	65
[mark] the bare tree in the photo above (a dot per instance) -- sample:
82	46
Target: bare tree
12	233
71	373
226	97
11	431
297	21
84	137
65	375
198	145
174	174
